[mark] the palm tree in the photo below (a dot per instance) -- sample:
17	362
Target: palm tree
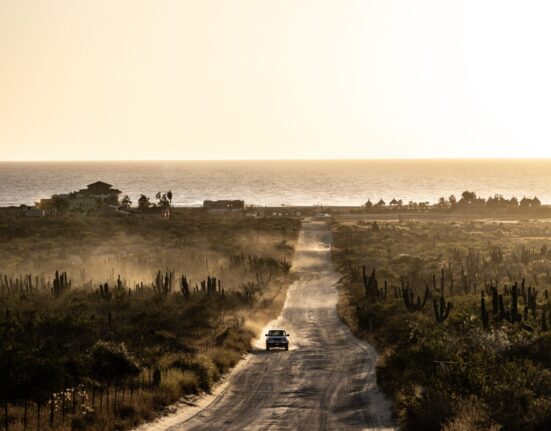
126	202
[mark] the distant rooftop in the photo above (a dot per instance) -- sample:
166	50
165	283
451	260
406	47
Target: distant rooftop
100	184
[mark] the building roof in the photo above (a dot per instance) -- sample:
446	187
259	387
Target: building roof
99	184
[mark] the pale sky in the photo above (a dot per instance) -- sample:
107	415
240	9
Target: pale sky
131	79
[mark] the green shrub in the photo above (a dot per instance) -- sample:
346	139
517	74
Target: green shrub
224	359
236	338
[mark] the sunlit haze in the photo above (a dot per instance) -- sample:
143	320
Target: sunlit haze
103	79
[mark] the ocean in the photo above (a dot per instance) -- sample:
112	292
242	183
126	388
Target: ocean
327	182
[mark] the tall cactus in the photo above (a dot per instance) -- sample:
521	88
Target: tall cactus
61	284
495	303
371	286
184	286
104	292
441	309
531	300
484	315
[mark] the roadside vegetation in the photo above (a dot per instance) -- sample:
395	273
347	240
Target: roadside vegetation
106	321
460	313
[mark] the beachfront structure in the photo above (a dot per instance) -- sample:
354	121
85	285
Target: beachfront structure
95	195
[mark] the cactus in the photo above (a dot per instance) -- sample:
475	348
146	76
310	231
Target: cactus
531	302
61	284
184	287
371	286
484	316
515	316
495	303
408	296
163	285
441	309
104	292
501	315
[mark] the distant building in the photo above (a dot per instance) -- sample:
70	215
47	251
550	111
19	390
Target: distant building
230	205
95	195
102	192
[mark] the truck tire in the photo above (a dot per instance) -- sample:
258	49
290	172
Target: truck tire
267	348
286	347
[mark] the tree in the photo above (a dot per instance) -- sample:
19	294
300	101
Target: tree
163	200
169	196
126	202
525	202
112	363
143	202
468	197
453	200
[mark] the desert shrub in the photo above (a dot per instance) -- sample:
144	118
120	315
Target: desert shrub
238	339
178	382
201	366
224	359
189	383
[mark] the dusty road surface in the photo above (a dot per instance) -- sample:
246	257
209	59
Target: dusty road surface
326	381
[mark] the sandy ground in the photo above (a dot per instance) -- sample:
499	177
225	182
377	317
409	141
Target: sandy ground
325	381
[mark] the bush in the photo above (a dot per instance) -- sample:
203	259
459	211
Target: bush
224	359
236	338
126	411
201	366
177	382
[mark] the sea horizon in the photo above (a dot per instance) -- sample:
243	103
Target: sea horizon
337	182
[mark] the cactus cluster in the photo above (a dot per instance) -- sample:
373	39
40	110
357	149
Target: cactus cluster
371	286
500	312
163	283
211	286
408	296
118	290
23	285
61	284
441	309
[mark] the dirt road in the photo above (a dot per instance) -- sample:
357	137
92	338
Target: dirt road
326	381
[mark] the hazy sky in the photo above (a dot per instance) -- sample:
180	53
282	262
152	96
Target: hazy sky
113	79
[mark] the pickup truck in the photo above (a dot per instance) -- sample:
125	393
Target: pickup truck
277	338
